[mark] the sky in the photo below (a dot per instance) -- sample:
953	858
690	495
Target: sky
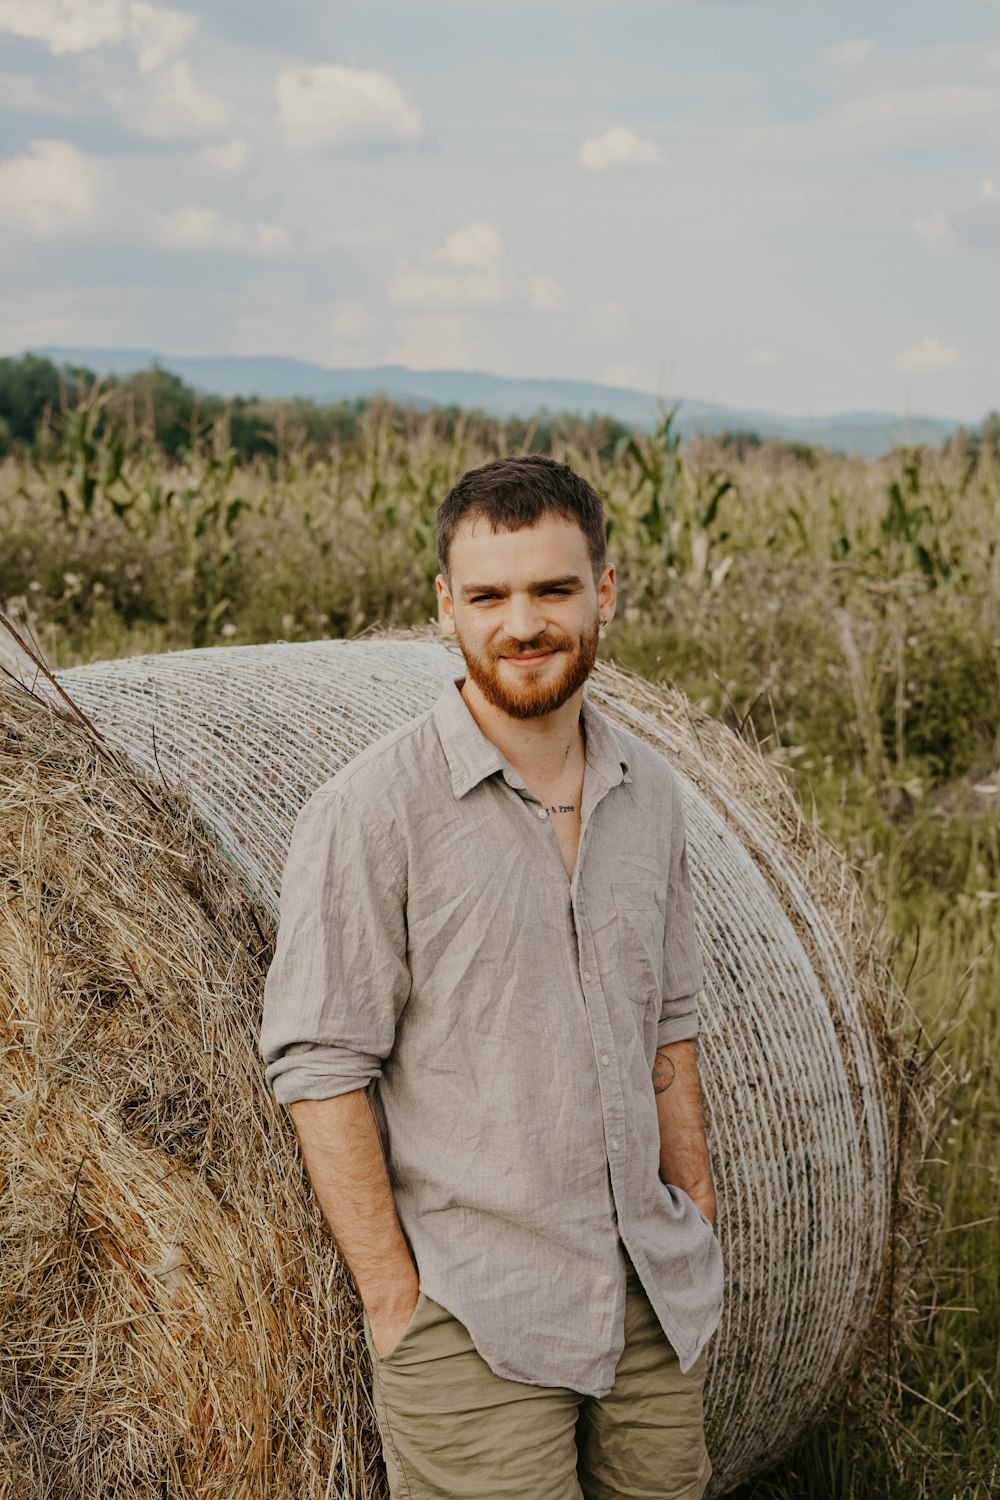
784	205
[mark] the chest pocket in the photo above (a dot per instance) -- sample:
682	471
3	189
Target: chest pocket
639	914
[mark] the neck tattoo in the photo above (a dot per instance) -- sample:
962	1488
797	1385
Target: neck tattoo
563	807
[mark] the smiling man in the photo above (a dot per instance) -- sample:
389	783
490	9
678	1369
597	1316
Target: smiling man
482	1013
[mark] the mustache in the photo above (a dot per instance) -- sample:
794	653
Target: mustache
518	648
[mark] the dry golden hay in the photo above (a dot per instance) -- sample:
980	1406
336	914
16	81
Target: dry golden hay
174	1318
173	1321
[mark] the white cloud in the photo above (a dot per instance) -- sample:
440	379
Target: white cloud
165	103
895	107
881	121
617	147
157	32
65	25
762	357
602	323
936	231
476	247
51	188
546	295
476	275
413	287
327	105
432	343
199	227
850	54
475	252
227	156
928	356
173	106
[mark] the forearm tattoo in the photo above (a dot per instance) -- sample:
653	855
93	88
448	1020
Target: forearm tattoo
664	1074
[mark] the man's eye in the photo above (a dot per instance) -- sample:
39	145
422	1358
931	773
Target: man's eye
480	598
557	591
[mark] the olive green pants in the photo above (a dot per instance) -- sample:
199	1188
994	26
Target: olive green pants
453	1430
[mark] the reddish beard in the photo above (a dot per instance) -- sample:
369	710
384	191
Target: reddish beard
533	698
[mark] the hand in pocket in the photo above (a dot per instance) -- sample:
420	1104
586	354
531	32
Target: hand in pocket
389	1325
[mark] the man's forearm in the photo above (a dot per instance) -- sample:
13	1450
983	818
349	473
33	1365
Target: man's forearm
343	1155
683	1149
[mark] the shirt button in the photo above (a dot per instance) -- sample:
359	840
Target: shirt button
586	973
605	1059
614	1144
542	813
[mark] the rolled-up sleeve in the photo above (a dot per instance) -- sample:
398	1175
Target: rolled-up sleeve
339	978
683	969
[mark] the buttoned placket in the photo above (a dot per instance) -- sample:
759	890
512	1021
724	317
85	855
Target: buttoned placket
608	1078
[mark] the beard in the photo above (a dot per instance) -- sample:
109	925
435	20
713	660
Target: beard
533	697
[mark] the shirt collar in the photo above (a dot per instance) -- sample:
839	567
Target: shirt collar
472	757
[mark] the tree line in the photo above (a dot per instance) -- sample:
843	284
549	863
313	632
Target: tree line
157	407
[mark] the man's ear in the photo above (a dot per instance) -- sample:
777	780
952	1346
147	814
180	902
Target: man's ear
446	612
607	592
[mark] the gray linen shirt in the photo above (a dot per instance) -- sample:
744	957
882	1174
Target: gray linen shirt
504	1021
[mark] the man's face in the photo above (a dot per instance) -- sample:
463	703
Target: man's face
525	609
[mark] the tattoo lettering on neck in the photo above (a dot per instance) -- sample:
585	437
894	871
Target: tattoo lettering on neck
664	1074
564	807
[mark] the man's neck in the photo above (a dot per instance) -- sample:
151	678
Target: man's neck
543	749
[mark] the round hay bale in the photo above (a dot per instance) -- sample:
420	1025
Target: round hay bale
175	1319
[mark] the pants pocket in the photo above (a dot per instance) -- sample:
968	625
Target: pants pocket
406	1333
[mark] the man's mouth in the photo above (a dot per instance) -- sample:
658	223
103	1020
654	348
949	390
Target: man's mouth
529	659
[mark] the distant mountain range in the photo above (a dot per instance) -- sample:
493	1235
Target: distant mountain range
868	433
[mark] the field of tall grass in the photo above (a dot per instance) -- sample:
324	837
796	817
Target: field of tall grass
844	612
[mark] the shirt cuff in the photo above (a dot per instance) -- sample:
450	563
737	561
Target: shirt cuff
307	1072
682	1023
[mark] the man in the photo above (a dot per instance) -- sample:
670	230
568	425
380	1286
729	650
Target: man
482	1014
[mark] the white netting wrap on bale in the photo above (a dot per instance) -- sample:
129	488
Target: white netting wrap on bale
798	1057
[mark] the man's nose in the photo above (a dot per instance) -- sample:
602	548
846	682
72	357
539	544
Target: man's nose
524	620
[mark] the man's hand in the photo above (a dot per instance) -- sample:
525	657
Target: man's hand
388	1320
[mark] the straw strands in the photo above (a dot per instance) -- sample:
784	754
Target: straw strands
174	1317
167	1296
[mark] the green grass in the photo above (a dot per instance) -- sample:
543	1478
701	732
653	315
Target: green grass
933	1436
848	610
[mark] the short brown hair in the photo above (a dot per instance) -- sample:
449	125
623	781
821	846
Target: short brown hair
517	491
